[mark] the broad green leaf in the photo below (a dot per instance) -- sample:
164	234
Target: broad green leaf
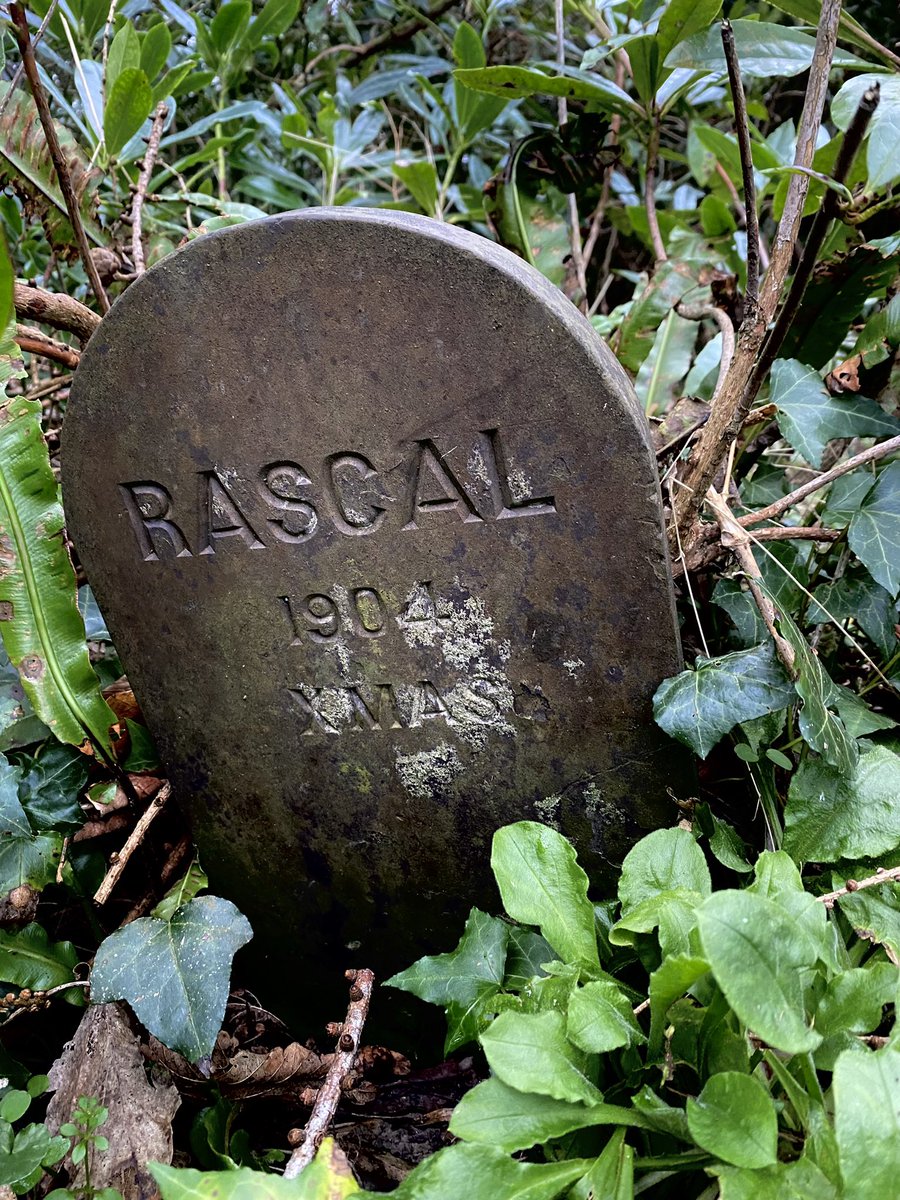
474	111
875	529
674	912
529	1052
128	105
24	1155
668	983
483	1173
875	914
526	954
463	980
809	12
854	1000
493	1114
819	721
25	159
42	628
326	1178
124	54
857	718
863	600
734	1119
155	47
884	127
810	417
667	364
698	707
612	1175
514	83
175	973
50	788
542	884
28	860
833	814
653	301
800	1180
764	51
228	25
867	1120
756	953
421	181
600	1018
29	959
275	18
662	861
681	19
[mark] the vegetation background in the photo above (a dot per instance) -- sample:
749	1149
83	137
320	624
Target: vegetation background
721	201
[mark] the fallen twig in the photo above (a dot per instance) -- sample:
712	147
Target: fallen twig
137	206
135	838
23	37
329	1093
857	885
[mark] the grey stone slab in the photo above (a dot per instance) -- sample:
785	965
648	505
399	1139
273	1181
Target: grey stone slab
373	518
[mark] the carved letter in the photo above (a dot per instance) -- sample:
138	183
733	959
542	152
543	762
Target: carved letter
353	515
310	709
498	473
220	516
431	469
427	705
280	485
149	506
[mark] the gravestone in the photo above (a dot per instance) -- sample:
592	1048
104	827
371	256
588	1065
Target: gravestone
373	518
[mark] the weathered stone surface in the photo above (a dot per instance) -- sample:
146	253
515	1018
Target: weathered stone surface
373	518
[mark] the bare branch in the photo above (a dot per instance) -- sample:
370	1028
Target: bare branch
23	37
113	875
36	342
137	206
854	885
742	127
329	1094
56	309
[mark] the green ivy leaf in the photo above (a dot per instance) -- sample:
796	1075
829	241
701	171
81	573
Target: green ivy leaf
542	884
175	973
483	1173
29	959
861	599
600	1018
50	788
867	1122
128	105
821	727
464	980
493	1114
25	1155
699	707
529	1052
734	1119
810	417
28	860
756	954
875	530
834	814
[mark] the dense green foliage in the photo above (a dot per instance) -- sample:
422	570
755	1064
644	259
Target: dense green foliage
723	1027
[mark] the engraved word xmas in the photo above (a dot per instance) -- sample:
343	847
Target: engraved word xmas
347	491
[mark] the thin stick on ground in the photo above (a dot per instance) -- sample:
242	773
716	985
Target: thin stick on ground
329	1093
742	128
733	403
143	184
56	309
137	835
857	885
23	37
